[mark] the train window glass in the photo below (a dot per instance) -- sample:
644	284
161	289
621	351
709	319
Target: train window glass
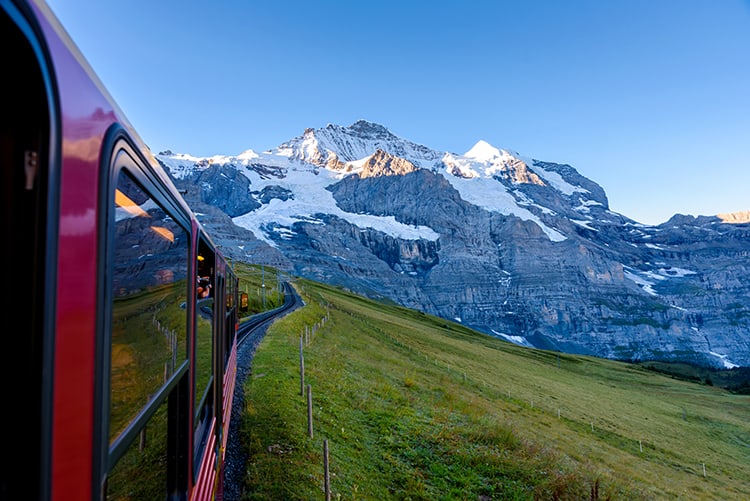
141	472
231	316
230	294
149	317
204	343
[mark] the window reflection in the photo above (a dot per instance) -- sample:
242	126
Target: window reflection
149	318
141	474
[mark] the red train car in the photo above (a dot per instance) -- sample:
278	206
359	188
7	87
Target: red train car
119	369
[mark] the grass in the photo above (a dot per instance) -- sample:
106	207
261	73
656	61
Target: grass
148	345
143	327
416	407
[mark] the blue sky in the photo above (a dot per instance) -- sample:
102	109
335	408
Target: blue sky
648	98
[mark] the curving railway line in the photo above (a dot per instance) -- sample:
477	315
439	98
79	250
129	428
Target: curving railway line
261	320
250	333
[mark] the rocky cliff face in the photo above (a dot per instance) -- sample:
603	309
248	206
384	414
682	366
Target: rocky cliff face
517	248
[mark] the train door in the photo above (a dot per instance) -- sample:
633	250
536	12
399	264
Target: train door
27	172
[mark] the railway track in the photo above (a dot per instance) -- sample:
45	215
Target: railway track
260	320
249	335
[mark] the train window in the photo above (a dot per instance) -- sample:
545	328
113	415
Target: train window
230	294
149	314
204	326
228	318
204	343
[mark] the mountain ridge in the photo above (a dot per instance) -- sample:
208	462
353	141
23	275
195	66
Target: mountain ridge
515	247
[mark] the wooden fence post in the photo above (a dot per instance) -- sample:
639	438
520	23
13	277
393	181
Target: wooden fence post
301	369
309	412
327	475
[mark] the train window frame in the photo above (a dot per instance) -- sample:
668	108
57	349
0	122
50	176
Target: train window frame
179	359
205	395
174	392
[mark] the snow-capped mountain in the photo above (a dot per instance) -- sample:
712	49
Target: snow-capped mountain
516	247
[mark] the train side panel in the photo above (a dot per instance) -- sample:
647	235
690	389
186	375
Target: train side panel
133	372
75	350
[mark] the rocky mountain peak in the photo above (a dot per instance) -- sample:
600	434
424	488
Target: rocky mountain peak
370	129
483	151
353	143
484	160
385	164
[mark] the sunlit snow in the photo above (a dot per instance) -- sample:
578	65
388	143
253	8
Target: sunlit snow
519	340
309	198
585	224
555	180
585	205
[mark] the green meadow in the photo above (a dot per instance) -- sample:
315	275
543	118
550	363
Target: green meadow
413	407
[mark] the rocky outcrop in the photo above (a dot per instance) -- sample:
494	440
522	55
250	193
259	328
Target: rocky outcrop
384	164
221	186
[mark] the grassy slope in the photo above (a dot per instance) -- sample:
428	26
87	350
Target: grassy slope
414	407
